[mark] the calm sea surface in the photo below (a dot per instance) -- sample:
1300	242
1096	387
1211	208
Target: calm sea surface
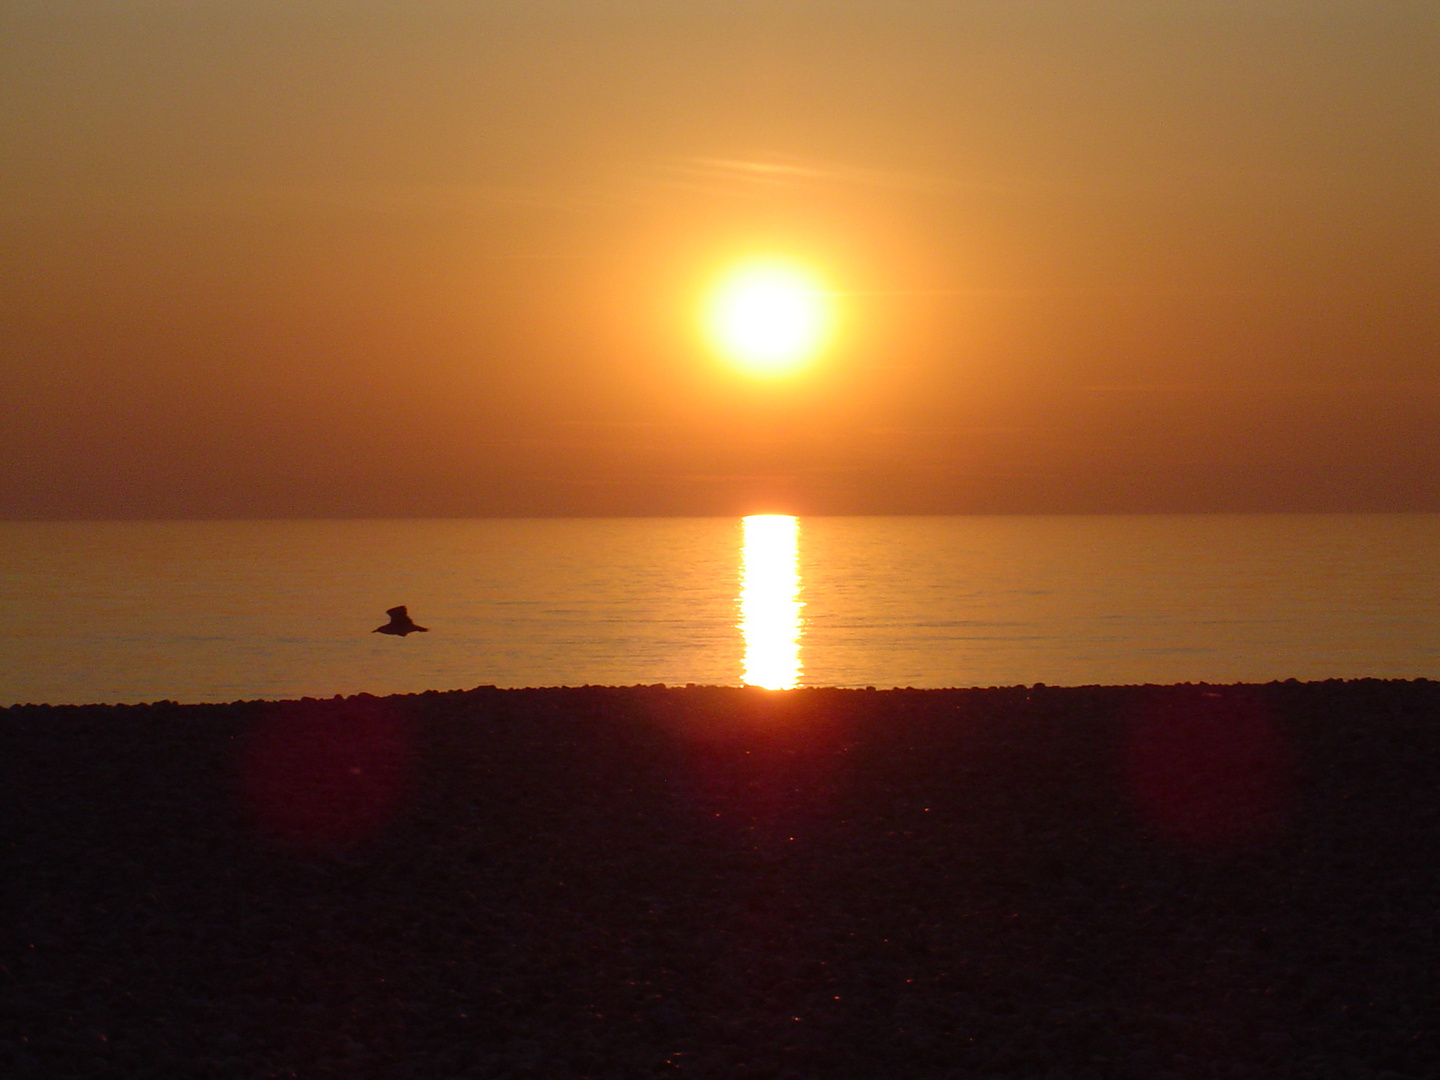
215	611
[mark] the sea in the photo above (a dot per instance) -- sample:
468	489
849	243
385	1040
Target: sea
210	611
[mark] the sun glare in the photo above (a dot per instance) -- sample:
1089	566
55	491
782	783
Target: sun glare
770	600
768	317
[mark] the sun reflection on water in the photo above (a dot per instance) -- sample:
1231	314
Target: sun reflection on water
770	600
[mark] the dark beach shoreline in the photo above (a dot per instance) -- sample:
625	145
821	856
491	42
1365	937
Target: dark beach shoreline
1191	881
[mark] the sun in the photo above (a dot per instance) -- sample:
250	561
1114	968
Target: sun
768	317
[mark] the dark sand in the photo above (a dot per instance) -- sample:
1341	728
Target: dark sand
1141	882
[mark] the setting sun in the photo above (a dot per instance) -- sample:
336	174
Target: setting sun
768	317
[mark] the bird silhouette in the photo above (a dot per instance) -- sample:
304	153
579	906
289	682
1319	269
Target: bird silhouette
400	623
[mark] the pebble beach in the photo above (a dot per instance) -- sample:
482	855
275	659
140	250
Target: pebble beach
1039	882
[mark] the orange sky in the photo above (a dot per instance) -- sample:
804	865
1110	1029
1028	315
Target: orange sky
432	257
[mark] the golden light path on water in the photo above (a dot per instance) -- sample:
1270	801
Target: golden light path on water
770	600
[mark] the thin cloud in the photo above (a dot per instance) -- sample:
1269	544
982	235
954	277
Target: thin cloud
376	199
410	198
786	172
1273	387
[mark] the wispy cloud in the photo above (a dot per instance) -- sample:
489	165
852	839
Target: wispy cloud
1343	388
781	171
374	198
429	198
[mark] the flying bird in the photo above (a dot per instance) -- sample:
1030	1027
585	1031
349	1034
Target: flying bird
400	623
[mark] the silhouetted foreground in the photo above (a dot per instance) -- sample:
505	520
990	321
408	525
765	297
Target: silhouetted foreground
1140	882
